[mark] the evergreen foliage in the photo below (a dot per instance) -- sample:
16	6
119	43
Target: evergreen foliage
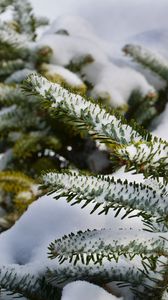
31	139
138	150
39	120
158	65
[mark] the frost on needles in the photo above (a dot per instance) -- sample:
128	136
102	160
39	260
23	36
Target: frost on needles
134	148
28	128
131	145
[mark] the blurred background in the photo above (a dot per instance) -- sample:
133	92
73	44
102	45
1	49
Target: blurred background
112	19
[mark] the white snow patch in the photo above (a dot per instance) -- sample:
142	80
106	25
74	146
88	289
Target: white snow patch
115	83
46	220
110	80
70	77
84	290
65	48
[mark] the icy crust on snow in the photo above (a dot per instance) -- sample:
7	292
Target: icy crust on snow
102	72
84	290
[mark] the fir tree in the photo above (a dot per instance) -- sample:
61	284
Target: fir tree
98	256
31	138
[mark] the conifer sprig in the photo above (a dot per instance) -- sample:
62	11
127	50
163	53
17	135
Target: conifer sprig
137	151
96	245
125	271
24	17
12	44
109	193
16	281
4	4
151	60
84	113
149	158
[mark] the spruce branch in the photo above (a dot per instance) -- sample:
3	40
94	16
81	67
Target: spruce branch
4	4
134	150
41	21
95	245
34	142
11	94
12	44
13	119
24	188
162	285
8	67
149	158
153	61
142	109
23	15
84	113
35	288
109	193
123	270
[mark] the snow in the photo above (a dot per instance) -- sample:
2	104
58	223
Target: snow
115	83
28	239
70	23
84	290
75	104
130	176
110	81
71	78
112	19
107	191
165	296
156	38
65	48
25	244
19	76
